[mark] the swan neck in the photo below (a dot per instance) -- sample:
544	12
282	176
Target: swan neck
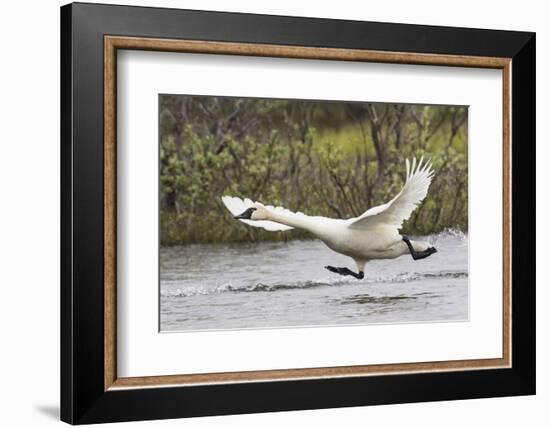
292	220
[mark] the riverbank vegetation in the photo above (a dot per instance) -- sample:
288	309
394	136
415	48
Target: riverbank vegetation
322	158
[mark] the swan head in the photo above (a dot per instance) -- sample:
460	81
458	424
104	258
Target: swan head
246	215
257	212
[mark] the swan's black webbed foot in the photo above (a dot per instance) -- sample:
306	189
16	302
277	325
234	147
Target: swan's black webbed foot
346	271
418	255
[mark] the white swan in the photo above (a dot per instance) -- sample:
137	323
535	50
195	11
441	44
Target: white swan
372	235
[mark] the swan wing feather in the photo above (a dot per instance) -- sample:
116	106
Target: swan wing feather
237	205
399	209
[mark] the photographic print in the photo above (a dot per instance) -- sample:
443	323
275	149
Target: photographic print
301	213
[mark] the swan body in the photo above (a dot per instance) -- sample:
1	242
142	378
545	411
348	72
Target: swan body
371	236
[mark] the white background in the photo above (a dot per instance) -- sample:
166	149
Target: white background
144	352
29	226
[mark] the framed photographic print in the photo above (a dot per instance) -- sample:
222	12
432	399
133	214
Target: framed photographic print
320	213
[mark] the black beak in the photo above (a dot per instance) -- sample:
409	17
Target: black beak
245	215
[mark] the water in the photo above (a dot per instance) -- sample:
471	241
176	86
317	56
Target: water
262	285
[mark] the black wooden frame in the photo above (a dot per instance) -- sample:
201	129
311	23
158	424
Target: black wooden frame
83	399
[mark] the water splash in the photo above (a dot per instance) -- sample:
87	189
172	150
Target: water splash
260	287
449	233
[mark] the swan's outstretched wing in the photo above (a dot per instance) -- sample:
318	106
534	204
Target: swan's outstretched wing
399	209
237	205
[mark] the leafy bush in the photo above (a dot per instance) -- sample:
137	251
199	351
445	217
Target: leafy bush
323	158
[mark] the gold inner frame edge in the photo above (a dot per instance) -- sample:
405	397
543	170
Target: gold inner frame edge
113	43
